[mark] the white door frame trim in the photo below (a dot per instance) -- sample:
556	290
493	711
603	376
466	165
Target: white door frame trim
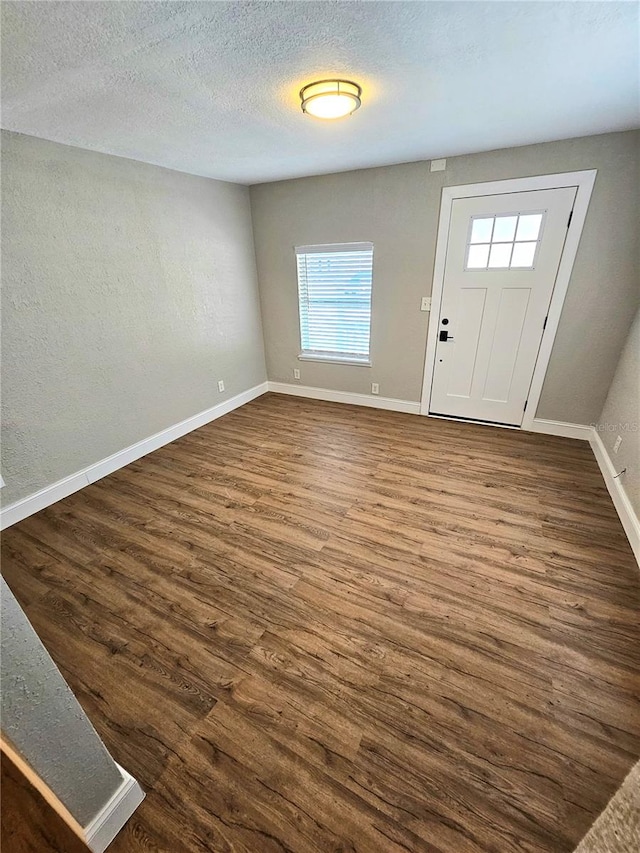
584	181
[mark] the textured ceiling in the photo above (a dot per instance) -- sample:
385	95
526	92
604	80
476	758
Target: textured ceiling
212	88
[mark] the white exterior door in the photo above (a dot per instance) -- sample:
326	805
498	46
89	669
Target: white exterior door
503	253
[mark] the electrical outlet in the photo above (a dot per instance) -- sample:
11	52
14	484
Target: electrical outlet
375	388
616	446
425	304
220	385
296	373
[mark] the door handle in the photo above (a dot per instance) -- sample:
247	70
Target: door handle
445	336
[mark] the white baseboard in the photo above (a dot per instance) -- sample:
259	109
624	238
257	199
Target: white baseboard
627	514
567	430
561	428
373	402
148	445
621	502
104	827
39	500
56	491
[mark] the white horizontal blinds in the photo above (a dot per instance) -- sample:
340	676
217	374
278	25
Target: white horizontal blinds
334	295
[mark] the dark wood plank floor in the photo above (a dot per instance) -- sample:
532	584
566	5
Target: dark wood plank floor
314	627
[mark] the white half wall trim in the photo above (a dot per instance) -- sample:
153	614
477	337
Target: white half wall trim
51	741
111	818
623	506
63	488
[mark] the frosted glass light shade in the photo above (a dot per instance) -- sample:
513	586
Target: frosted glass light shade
329	99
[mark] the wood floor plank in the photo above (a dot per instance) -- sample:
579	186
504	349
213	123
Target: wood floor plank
314	627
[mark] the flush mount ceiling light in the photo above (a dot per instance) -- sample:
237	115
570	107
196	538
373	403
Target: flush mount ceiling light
330	98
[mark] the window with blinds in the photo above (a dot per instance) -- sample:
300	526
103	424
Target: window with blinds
334	297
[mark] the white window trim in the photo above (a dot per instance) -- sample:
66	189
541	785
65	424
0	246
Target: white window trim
584	181
338	357
330	248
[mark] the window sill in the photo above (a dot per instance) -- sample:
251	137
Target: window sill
334	359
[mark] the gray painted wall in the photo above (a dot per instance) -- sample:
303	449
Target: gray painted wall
42	718
128	291
397	208
621	416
